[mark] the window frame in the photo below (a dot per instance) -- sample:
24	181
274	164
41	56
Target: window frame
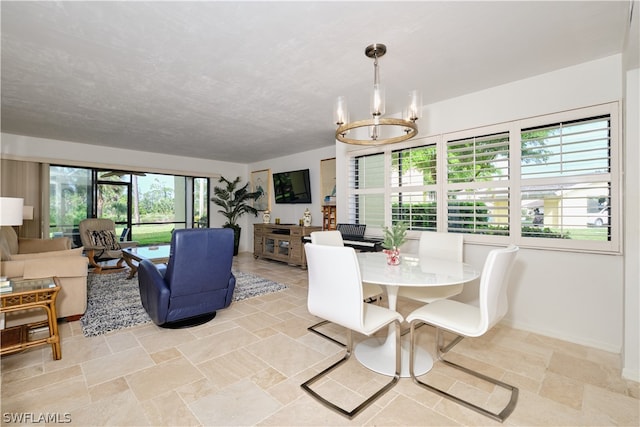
514	183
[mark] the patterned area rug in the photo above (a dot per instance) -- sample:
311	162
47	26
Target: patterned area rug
113	301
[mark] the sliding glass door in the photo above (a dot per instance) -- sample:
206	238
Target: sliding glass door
149	205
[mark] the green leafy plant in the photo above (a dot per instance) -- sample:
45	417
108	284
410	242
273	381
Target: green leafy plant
395	236
234	202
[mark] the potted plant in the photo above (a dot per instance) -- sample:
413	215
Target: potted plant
234	202
393	239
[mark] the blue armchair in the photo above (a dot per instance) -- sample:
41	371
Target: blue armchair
195	283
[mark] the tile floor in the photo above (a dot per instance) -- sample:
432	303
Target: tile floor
245	368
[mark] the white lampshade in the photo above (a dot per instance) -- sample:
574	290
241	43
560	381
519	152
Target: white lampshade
11	210
27	212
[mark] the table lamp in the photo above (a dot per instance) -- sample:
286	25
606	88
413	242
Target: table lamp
11	210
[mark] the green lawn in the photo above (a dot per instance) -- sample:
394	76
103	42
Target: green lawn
151	234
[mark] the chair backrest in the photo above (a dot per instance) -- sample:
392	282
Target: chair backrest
493	286
448	246
94	224
330	237
200	259
335	285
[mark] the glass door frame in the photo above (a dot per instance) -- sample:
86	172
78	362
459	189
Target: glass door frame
97	182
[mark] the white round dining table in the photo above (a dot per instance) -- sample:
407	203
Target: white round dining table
378	354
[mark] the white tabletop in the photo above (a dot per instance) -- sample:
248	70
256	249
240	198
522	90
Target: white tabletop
379	354
412	271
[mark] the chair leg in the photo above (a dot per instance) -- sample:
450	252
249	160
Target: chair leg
440	351
313	329
351	414
324	322
99	268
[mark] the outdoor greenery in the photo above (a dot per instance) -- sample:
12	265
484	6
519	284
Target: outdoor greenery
153	202
461	170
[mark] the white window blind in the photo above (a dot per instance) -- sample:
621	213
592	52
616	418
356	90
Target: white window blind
550	181
367	184
413	187
477	184
566	180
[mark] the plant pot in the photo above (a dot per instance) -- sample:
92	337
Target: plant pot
236	237
393	256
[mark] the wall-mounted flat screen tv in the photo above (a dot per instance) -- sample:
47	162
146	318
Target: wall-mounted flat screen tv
292	187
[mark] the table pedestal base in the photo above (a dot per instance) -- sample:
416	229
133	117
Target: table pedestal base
378	354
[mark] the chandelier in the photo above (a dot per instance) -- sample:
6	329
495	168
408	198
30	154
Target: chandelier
405	128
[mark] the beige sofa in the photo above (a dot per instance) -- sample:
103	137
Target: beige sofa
38	258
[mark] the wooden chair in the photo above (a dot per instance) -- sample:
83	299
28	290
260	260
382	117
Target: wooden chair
101	244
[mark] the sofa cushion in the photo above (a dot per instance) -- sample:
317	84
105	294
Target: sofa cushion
8	234
104	238
55	266
66	252
5	252
34	246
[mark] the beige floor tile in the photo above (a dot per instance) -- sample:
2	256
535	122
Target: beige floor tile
403	411
241	404
259	351
169	410
107	368
31	384
211	347
107	389
285	354
162	378
618	410
123	409
563	390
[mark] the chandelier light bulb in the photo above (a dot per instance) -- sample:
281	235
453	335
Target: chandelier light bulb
377	100
340	112
415	105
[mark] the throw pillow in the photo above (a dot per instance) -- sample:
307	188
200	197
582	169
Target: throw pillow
5	253
104	238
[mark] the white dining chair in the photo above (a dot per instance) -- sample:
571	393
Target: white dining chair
370	291
335	294
467	320
435	245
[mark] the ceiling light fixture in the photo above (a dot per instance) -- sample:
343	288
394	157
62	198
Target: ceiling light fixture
405	128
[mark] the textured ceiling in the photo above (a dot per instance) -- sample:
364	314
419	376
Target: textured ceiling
249	81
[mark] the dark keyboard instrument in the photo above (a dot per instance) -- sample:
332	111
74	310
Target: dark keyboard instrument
353	236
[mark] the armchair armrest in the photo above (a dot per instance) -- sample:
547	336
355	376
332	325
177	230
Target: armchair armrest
154	292
68	263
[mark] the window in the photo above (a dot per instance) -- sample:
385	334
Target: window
150	205
478	184
413	187
550	182
367	205
566	180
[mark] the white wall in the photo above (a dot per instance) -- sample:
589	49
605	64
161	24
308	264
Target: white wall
290	214
631	69
631	353
576	297
19	147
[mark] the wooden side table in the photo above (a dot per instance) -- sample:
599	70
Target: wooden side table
26	294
